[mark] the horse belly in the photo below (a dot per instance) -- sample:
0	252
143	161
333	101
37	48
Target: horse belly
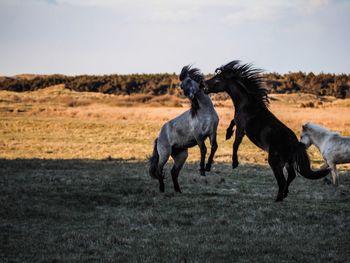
185	144
341	157
259	138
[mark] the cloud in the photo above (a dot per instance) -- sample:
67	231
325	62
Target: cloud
52	2
271	10
91	36
250	12
234	12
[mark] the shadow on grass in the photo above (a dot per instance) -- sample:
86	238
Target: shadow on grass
111	210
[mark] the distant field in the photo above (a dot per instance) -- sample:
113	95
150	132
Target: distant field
74	186
58	123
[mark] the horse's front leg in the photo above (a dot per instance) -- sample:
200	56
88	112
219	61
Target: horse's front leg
238	139
203	150
214	147
335	176
326	179
229	130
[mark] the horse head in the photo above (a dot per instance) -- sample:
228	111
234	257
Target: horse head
192	81
221	80
238	78
305	137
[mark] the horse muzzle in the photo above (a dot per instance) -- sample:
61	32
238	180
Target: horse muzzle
206	89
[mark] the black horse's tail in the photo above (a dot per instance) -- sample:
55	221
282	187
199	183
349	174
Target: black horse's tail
153	161
302	163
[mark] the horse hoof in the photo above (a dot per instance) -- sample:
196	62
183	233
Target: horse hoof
177	188
229	134
279	198
208	168
327	180
234	165
202	172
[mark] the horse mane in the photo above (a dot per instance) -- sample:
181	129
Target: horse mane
193	73
318	128
197	76
194	107
248	77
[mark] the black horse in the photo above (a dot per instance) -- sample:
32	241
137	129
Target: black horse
252	117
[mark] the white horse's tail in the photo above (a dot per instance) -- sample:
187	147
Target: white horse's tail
153	161
302	163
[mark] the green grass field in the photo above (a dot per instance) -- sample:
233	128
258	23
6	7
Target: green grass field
74	188
111	211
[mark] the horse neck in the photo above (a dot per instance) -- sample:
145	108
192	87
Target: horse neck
239	97
318	138
203	100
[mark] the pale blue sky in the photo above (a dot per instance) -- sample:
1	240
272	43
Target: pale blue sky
139	36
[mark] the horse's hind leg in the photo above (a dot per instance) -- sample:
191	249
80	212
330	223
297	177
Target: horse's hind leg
277	168
290	178
179	160
238	139
163	158
214	147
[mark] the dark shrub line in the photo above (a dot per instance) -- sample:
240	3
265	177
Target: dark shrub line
159	84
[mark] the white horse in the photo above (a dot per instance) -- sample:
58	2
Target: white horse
334	148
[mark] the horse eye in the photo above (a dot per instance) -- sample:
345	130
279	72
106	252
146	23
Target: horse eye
217	71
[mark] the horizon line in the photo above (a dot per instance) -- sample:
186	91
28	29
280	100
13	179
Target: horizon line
156	73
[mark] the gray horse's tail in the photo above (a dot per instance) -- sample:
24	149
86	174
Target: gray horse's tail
153	161
302	163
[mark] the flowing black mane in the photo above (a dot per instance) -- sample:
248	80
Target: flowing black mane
194	106
249	78
197	76
193	73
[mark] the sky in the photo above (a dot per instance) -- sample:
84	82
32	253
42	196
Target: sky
156	36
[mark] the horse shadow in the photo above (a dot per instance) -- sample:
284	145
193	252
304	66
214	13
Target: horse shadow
95	205
85	184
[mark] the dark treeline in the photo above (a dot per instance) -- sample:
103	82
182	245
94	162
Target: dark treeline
157	84
320	84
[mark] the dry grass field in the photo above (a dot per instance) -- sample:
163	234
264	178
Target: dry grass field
74	186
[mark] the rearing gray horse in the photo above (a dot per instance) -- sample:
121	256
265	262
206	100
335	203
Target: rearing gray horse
187	130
